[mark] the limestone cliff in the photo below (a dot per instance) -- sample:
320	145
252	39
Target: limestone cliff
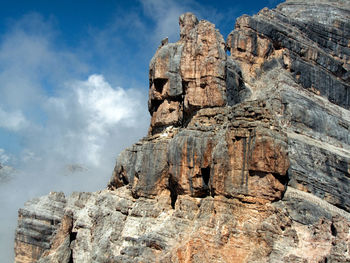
247	158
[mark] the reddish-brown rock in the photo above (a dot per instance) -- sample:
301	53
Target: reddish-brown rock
187	75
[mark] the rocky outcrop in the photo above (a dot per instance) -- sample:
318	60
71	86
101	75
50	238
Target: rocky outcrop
309	56
187	75
37	222
225	152
247	158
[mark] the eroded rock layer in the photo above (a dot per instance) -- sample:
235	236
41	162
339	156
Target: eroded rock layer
247	158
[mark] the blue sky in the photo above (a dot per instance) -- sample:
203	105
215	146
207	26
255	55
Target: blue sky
74	87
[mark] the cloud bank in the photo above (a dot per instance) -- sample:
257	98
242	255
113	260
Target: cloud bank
88	116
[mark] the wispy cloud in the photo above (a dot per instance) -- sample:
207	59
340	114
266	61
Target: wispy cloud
165	15
3	157
13	121
87	116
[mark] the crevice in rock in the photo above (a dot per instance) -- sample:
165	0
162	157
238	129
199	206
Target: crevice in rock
184	86
123	176
212	192
175	190
204	190
334	230
125	180
134	194
72	237
188	115
184	89
205	175
178	98
173	195
159	84
283	179
246	155
155	105
236	91
159	129
277	45
154	245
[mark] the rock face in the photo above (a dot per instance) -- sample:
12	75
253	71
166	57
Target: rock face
247	158
187	75
37	222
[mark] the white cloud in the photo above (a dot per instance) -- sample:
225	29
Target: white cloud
165	14
88	114
13	121
106	106
31	63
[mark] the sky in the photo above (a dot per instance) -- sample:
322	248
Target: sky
74	87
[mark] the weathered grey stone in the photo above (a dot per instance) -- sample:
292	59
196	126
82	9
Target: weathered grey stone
37	222
318	52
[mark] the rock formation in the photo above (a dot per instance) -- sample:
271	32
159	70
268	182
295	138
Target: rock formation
247	158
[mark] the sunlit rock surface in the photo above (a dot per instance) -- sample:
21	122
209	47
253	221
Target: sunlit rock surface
247	158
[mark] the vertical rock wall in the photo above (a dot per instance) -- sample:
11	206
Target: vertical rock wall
187	75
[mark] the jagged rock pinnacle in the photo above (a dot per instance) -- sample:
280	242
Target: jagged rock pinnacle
187	22
187	75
